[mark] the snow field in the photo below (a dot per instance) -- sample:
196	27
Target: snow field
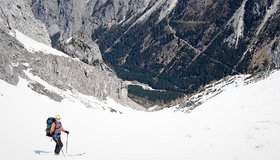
241	123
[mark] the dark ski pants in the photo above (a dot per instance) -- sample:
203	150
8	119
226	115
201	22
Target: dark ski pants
58	145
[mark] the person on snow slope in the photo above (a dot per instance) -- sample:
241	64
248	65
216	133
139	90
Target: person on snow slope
55	131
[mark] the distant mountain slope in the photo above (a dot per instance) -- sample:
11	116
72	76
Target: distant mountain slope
175	45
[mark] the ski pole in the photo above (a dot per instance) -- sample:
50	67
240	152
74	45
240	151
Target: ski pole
67	145
62	153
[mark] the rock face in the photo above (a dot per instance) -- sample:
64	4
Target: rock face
62	72
66	17
18	15
172	44
81	46
62	17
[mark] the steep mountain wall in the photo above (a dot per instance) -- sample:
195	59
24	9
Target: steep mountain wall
66	17
172	44
62	72
18	15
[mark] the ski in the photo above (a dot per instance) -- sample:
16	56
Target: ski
76	154
40	152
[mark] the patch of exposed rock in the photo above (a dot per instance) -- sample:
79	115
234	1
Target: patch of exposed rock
82	47
17	14
62	72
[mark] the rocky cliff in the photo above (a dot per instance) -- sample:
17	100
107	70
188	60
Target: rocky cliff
18	15
176	45
68	73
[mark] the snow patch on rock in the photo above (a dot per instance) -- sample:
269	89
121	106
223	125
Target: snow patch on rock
237	21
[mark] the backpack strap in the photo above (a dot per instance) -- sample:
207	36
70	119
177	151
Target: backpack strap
55	125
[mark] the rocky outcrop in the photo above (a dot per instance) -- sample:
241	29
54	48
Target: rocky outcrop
7	71
68	74
18	15
266	56
41	89
81	46
61	72
266	40
62	17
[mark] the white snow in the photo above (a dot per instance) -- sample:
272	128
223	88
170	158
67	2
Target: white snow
238	23
241	123
241	59
147	14
121	21
69	40
144	86
166	6
169	6
210	91
35	46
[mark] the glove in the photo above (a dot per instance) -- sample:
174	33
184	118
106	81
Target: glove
67	132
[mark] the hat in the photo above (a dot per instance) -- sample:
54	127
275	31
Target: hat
57	117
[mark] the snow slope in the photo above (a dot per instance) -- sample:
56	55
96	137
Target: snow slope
241	123
34	46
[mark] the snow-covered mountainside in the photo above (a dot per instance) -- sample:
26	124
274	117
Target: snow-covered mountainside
242	123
